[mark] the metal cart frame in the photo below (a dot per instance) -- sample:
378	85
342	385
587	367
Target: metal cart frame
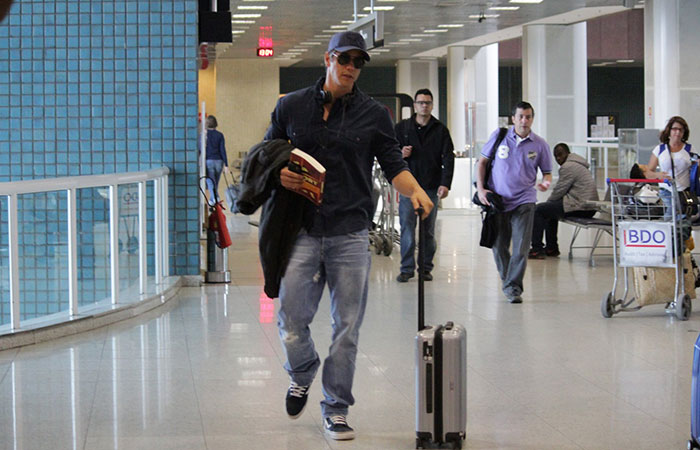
625	209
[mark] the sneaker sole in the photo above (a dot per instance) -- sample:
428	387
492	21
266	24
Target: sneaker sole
343	436
298	415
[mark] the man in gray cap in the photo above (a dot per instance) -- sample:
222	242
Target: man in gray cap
345	130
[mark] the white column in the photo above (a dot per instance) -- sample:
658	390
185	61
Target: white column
456	117
414	74
485	94
672	80
555	80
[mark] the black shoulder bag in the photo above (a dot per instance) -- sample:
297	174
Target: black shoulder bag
501	135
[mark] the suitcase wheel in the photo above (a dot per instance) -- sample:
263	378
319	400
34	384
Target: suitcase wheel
692	445
420	443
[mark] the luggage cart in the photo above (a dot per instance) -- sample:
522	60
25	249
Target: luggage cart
642	237
383	234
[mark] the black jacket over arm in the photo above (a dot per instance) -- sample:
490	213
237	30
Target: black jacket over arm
283	213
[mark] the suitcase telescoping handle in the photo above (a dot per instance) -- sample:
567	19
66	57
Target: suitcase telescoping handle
421	263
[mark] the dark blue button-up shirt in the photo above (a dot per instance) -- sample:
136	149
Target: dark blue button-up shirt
357	131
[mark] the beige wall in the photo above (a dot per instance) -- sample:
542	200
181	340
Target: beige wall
207	89
246	93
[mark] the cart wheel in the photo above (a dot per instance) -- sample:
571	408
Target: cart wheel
378	244
691	444
420	443
683	307
606	306
388	246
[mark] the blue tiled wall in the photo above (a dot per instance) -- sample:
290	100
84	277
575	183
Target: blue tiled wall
92	87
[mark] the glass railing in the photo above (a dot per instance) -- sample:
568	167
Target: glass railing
74	245
603	157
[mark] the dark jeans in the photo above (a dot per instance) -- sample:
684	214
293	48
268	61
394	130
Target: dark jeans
547	216
408	220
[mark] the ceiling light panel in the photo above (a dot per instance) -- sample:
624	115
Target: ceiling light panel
526	1
246	16
378	8
252	7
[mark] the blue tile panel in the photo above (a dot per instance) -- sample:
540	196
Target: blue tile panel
103	87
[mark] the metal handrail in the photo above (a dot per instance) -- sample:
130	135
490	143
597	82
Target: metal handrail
13	189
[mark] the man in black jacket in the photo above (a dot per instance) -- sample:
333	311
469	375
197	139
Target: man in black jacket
344	130
428	150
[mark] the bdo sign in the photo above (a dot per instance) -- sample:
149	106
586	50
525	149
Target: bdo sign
645	243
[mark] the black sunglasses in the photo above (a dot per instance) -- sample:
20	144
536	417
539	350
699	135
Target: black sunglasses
345	58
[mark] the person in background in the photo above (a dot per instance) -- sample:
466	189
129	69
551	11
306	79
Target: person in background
570	197
344	130
216	158
674	144
427	147
513	177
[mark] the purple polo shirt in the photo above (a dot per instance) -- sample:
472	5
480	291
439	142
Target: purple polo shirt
514	171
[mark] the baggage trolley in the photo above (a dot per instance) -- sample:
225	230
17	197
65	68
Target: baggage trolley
383	234
644	237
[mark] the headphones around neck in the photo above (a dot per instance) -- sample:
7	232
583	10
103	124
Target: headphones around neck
326	96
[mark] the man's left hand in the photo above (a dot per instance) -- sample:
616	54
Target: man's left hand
443	192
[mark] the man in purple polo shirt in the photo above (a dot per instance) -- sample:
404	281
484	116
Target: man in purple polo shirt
513	177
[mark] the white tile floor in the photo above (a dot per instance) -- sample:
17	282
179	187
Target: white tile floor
205	372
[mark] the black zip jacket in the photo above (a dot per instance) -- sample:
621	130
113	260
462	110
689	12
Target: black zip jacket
284	212
432	161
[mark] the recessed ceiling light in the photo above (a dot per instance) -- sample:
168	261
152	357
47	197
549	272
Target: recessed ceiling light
309	43
435	31
483	16
242	21
410	40
451	25
526	1
331	31
237	31
504	8
338	27
378	8
246	16
392	1
259	7
422	35
625	60
399	43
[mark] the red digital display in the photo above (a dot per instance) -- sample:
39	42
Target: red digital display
266	52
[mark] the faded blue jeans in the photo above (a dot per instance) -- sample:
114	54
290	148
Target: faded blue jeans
343	263
214	169
408	220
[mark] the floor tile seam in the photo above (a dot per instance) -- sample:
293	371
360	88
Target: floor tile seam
530	411
90	414
389	379
194	387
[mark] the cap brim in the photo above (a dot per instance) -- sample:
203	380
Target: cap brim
365	55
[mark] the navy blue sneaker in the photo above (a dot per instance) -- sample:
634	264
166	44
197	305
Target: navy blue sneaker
296	399
337	428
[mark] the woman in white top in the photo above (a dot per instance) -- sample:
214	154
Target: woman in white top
674	145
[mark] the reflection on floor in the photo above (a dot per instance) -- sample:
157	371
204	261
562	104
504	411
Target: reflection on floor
205	372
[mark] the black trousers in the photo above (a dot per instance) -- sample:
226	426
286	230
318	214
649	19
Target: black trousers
546	223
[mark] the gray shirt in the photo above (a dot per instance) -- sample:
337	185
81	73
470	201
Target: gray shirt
575	185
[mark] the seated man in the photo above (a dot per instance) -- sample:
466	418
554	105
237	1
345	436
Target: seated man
569	198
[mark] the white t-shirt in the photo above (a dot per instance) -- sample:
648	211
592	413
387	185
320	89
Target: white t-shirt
681	162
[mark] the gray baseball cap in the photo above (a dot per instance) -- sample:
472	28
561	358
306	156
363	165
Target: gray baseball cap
348	40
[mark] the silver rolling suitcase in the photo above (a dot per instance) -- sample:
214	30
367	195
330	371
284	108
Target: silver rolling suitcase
441	375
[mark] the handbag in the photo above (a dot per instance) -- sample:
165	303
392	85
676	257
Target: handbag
687	200
501	135
231	193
